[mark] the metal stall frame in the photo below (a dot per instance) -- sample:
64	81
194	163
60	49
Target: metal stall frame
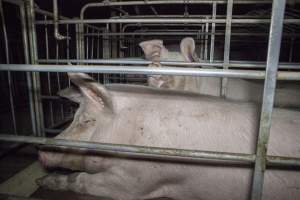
260	159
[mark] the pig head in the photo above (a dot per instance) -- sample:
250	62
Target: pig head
95	109
155	51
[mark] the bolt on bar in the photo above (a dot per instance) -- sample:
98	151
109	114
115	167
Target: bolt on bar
143	152
276	28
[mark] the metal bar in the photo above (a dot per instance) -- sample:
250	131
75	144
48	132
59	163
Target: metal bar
187	33
163	21
227	46
28	74
142	152
135	61
35	76
247	74
92	47
149	2
201	43
48	74
58	78
213	31
206	42
138	151
9	77
291	52
276	29
57	35
87	45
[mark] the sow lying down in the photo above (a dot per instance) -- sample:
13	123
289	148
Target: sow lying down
137	115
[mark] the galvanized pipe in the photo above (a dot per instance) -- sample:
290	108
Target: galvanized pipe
35	76
136	61
143	152
163	21
213	32
26	59
152	2
276	29
224	82
176	71
57	35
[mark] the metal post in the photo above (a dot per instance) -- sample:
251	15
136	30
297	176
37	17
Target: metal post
291	53
268	97
227	45
206	41
58	76
106	52
48	74
87	44
35	76
9	77
28	74
201	43
213	31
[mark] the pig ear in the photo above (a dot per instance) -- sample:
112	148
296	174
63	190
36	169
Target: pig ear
187	48
91	90
152	49
71	93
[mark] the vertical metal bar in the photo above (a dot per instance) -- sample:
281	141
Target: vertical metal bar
35	76
201	42
206	41
28	74
57	35
81	40
275	37
9	77
58	78
213	31
87	44
68	42
106	51
227	45
291	53
92	45
77	29
48	74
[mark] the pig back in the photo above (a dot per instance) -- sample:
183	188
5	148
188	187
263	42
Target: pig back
176	119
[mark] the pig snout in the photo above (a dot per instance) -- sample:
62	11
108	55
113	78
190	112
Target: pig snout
48	160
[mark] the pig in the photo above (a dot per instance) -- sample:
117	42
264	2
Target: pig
145	116
287	94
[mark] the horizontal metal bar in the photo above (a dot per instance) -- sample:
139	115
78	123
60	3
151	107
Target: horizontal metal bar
172	20
142	152
131	150
136	70
187	33
247	74
125	61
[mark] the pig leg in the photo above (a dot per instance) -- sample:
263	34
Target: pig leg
100	184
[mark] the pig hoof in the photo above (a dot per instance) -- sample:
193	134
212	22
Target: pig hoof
53	182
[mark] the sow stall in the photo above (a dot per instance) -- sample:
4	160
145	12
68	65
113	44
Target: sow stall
41	46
